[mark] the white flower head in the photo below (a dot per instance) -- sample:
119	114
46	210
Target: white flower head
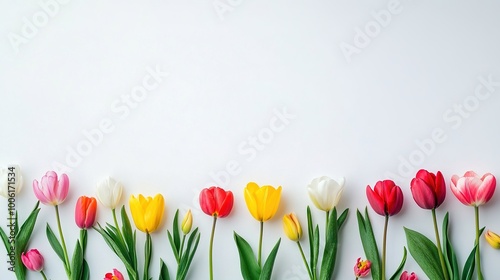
109	192
325	192
11	181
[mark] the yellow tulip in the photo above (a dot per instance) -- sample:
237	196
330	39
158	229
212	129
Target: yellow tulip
262	202
147	212
493	239
187	222
292	227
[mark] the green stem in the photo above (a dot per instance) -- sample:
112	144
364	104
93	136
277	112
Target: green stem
210	250
182	249
305	261
148	246
83	240
259	259
326	224
66	258
43	275
384	246
438	241
122	241
478	255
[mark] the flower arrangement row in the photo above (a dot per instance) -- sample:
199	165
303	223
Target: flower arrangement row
437	259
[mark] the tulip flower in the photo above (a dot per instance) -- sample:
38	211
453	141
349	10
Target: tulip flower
387	200
473	190
493	239
407	276
33	261
429	191
11	181
292	227
51	191
362	268
85	212
147	213
325	192
109	192
187	223
293	231
116	275
218	203
262	202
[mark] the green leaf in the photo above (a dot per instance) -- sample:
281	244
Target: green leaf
24	234
330	250
175	231
5	240
77	262
163	271
342	218
267	269
187	256
398	271
130	240
54	243
449	255
425	253
468	270
313	255
249	267
86	271
369	243
173	246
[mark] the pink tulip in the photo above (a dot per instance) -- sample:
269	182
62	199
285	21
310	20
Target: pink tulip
428	190
51	191
408	276
33	260
85	211
473	190
362	268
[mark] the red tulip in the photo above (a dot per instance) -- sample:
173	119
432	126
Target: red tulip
473	190
215	201
386	198
428	190
85	211
408	276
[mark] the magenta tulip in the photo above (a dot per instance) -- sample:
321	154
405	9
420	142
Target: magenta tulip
386	198
428	190
33	260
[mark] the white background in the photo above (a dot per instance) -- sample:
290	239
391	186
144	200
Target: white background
363	115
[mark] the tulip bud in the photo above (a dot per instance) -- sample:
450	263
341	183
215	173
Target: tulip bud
493	239
408	276
325	192
85	211
109	192
11	181
187	222
362	268
292	227
33	260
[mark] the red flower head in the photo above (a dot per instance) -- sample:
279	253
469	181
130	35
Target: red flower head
215	201
428	190
386	198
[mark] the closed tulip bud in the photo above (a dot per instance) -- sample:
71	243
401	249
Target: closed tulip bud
325	192
33	260
362	268
85	212
147	212
51	190
262	202
428	190
11	181
493	239
292	227
187	222
386	198
217	202
473	190
109	192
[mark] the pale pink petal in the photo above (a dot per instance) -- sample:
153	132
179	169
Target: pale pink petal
486	189
471	173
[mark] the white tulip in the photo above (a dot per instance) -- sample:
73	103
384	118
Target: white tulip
6	176
109	192
325	192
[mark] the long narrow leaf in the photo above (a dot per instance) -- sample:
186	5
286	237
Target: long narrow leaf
449	255
267	269
469	266
369	243
55	244
175	231
77	262
330	250
342	218
398	271
312	240
425	253
187	257
250	269
163	271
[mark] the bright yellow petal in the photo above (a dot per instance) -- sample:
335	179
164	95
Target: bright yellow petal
137	213
250	199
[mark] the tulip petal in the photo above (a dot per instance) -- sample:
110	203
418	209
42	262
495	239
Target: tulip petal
250	199
375	201
486	189
422	194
